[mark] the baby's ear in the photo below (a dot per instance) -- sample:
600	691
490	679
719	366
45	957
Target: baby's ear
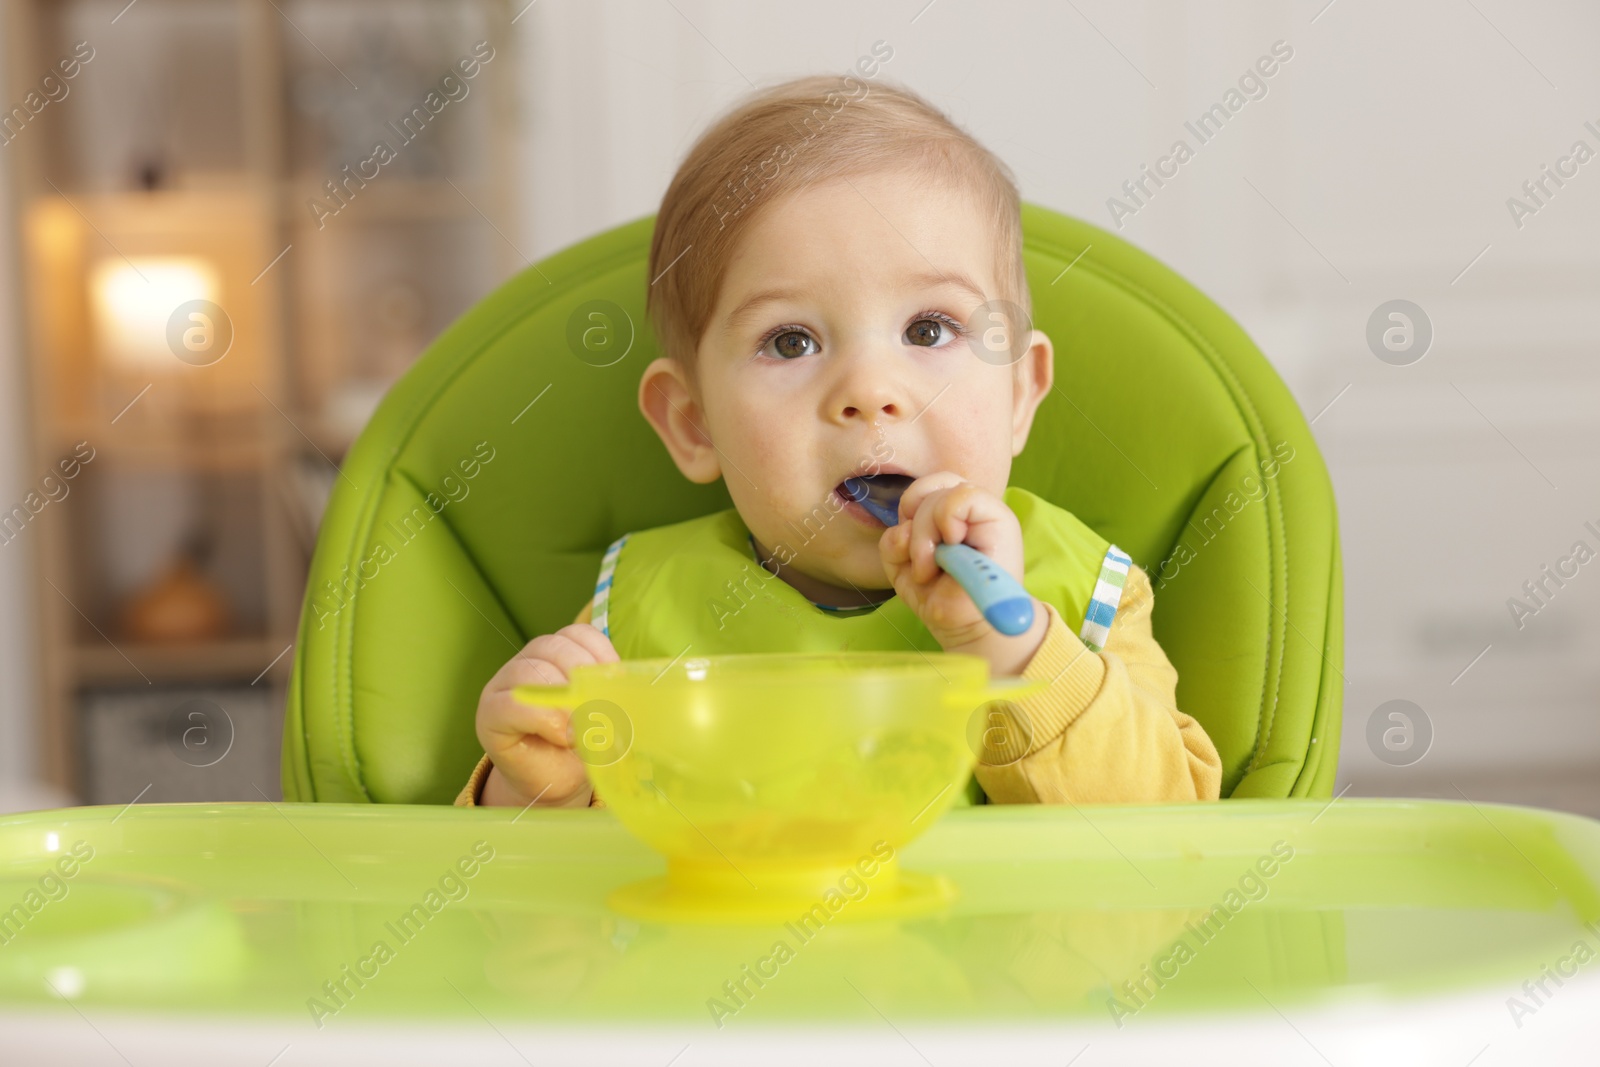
1035	376
670	407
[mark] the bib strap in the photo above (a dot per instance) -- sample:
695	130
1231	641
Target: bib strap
602	586
1103	604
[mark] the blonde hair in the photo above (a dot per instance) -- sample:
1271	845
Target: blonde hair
783	139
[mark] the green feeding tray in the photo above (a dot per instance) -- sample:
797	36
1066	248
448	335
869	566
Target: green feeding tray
136	939
330	913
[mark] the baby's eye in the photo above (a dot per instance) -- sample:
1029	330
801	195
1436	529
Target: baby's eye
932	331
790	344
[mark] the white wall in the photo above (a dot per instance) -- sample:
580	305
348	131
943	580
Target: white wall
1380	159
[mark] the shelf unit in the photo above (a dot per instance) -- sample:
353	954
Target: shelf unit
201	132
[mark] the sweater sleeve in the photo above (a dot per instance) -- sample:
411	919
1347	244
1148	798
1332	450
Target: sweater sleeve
1108	729
471	794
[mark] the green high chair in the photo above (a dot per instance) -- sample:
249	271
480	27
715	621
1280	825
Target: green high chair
472	512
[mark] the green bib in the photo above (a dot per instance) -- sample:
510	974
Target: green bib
697	586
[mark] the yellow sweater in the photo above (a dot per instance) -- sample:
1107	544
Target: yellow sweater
1106	731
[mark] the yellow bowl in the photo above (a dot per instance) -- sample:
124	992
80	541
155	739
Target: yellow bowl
765	779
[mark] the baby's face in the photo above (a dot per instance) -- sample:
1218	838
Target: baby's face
839	347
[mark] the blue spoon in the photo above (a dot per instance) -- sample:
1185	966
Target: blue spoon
1005	604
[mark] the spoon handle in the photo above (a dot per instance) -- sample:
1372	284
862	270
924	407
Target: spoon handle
1004	603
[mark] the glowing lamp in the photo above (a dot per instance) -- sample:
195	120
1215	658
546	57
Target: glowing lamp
134	300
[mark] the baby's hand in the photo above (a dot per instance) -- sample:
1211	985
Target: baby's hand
942	508
532	755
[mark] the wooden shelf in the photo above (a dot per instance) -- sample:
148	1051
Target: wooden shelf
135	663
246	445
143	451
389	199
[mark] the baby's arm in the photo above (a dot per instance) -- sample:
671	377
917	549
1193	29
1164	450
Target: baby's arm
1108	730
486	786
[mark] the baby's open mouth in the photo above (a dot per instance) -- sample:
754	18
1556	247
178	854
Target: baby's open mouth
877	494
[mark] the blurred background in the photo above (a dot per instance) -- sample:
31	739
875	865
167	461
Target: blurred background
157	514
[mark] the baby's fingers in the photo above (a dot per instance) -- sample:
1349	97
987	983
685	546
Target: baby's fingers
972	515
589	638
508	720
925	486
569	647
894	547
940	519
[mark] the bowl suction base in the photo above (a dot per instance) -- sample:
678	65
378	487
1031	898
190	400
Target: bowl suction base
894	894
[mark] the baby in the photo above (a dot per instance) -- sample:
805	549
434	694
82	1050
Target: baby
838	287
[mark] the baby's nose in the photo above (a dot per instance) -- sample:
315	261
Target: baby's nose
871	410
867	387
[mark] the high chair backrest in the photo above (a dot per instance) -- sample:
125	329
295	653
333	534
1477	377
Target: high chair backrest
472	512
